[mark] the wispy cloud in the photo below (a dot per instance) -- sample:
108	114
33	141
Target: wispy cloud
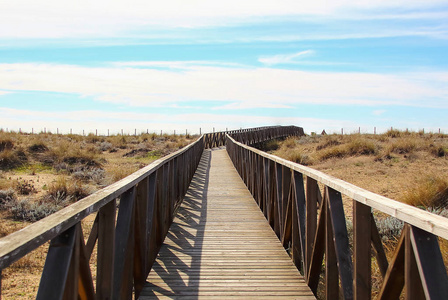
378	112
74	19
102	121
4	92
249	87
174	64
284	58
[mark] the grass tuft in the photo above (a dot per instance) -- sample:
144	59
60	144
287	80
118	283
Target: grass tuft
431	191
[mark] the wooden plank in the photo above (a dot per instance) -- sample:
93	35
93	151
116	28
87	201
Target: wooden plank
93	237
362	256
317	254
331	263
85	286
299	217
220	244
106	250
123	238
340	239
311	220
394	280
430	264
57	263
412	280
378	248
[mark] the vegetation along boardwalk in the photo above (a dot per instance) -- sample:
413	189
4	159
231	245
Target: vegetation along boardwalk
221	245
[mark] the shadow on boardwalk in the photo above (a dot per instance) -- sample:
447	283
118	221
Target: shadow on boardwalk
186	239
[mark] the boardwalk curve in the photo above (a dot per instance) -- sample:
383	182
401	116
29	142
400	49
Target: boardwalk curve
220	245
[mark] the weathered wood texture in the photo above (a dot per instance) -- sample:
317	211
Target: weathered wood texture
220	245
251	136
291	207
128	242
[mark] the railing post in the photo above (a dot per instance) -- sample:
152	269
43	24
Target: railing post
362	254
312	190
57	264
124	240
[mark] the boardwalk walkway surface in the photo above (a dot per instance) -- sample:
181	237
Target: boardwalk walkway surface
220	245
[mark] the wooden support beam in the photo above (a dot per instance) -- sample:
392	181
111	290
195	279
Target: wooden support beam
57	264
106	251
362	256
336	209
378	248
311	220
430	263
331	263
412	280
394	279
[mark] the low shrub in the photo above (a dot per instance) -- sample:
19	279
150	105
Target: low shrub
333	152
290	142
30	210
393	133
328	141
6	144
38	147
438	151
95	174
361	146
298	157
430	191
62	191
10	159
271	145
403	146
6	196
389	228
25	187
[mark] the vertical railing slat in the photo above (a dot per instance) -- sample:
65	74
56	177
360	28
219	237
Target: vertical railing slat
311	220
412	280
106	250
430	263
362	255
123	240
57	263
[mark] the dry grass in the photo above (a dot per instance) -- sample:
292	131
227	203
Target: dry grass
73	166
430	191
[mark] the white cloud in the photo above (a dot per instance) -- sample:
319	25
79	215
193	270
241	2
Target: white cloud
378	112
284	58
90	121
101	18
248	87
4	92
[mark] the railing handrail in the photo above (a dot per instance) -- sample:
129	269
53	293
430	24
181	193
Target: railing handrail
19	243
425	220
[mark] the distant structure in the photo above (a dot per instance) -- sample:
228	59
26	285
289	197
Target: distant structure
323	132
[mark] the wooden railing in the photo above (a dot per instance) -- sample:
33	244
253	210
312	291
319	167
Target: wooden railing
132	219
251	136
305	209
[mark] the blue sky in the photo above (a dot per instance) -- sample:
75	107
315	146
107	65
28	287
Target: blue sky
179	65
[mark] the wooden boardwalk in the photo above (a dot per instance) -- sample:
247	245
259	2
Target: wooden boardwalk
220	245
